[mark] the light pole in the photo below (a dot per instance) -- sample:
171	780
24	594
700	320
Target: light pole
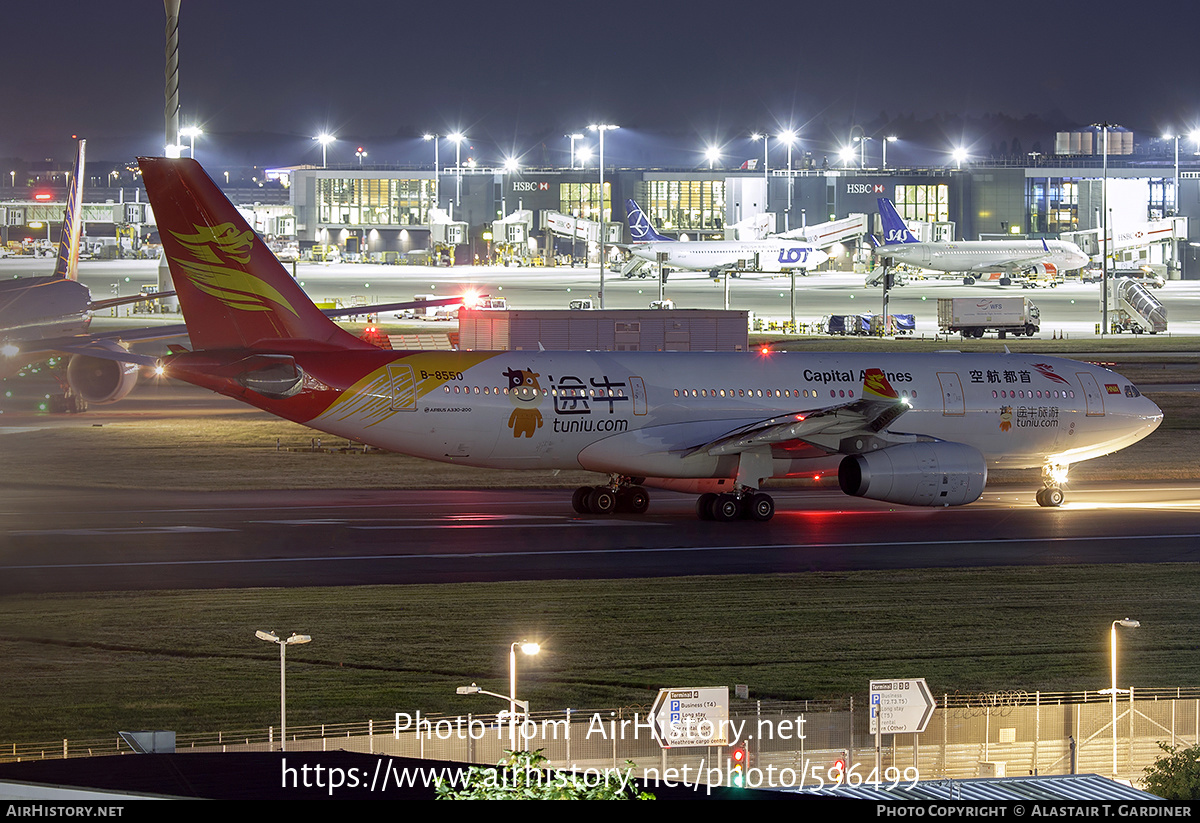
891	138
959	154
788	137
294	640
712	154
1104	239
527	648
360	154
862	150
766	145
324	139
436	138
573	137
457	139
192	132
600	128
1129	624
1175	193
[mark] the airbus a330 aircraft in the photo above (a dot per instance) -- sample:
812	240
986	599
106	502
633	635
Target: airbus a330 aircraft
975	258
918	429
772	255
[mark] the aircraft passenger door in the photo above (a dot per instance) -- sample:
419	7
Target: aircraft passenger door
1091	391
952	393
637	388
403	387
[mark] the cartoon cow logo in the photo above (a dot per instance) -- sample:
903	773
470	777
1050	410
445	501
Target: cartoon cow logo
525	393
1005	418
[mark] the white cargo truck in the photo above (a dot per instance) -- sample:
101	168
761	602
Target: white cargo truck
972	316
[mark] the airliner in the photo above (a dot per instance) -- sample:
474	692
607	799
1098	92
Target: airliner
772	255
1012	259
915	429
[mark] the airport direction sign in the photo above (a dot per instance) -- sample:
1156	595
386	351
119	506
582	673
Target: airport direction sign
903	706
691	717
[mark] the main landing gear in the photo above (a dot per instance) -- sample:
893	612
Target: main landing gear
616	497
1051	494
744	505
622	494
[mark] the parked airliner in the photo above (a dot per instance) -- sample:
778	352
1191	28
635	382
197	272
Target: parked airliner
1012	259
771	255
916	429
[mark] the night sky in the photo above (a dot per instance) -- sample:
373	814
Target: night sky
517	76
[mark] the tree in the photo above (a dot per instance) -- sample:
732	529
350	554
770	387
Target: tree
1175	776
522	776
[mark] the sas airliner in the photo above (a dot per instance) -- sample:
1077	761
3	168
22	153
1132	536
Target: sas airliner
973	259
772	255
917	429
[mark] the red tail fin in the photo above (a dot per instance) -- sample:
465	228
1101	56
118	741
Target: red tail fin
234	292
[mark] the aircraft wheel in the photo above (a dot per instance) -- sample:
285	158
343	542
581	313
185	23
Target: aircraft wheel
761	507
636	500
579	500
1050	497
602	500
726	508
704	505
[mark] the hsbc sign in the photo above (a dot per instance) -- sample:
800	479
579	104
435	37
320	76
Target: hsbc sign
865	188
530	185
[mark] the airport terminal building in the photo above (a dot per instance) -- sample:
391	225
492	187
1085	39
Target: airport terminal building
392	213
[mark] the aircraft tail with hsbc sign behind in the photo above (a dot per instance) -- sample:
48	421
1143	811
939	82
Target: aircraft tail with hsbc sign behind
894	230
639	225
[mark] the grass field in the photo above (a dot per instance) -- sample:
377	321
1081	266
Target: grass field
87	665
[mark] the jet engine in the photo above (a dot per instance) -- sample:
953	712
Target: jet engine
916	474
98	380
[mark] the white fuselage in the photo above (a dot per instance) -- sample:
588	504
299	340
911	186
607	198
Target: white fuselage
770	255
646	414
986	255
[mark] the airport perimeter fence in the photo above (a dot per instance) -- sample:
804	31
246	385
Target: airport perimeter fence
788	743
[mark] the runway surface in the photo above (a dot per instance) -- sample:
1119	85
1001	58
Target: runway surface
99	541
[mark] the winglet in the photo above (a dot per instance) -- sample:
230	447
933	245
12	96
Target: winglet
67	266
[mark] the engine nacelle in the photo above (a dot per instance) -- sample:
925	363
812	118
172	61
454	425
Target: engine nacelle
100	381
916	474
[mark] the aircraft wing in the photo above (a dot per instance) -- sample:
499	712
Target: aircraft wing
1013	264
828	428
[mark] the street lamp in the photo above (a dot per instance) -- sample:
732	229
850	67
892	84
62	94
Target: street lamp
959	154
600	128
191	132
513	703
294	640
862	150
846	155
457	138
788	137
1129	624
573	137
324	139
585	154
712	154
436	138
530	649
766	144
1175	192
891	138
360	154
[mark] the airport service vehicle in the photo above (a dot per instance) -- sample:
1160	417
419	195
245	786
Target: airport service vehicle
914	429
581	305
773	255
1030	261
974	316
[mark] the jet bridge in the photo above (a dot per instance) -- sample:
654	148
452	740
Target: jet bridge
824	235
1133	308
